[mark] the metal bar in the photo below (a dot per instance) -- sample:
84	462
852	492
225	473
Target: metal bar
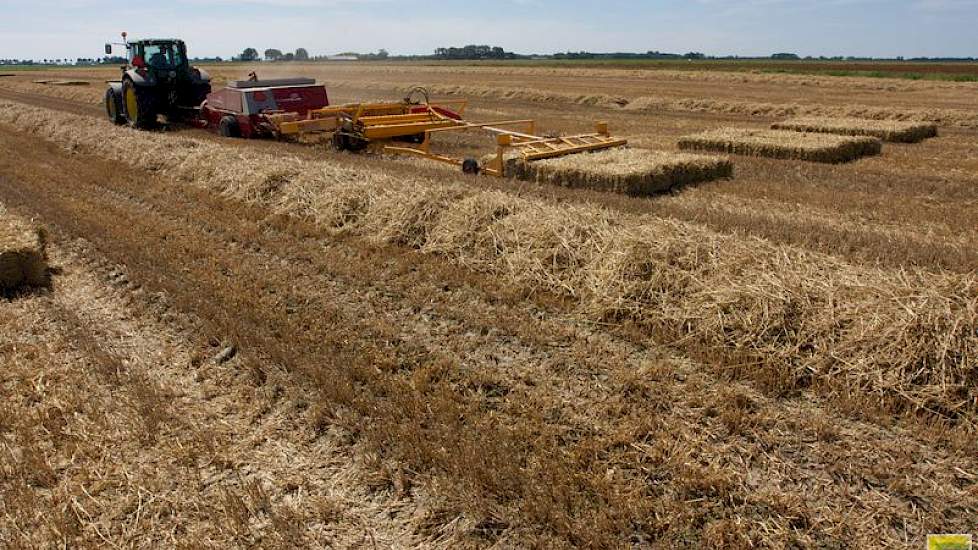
492	171
397	130
305	126
420	153
573	150
510	132
387	119
543	140
462	125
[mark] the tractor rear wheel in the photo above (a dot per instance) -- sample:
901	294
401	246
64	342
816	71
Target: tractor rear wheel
113	107
228	127
138	103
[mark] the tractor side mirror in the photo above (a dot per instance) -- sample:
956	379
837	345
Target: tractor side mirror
108	49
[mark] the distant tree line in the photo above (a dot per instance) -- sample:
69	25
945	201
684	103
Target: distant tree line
274	54
474	52
627	55
302	54
477	52
784	56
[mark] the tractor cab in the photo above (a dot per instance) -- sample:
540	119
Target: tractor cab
161	55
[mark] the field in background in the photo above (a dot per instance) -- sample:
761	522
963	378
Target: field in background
466	362
910	70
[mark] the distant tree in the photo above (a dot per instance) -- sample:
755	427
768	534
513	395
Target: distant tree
301	54
273	54
249	54
695	55
383	54
287	57
786	56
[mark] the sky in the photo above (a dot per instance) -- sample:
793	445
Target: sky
38	29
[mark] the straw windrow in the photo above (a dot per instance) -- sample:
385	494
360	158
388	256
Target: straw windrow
895	340
781	144
634	172
886	130
964	118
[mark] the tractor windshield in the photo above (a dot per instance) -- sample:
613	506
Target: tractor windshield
163	56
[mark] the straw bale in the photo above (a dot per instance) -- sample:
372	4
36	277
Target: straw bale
22	253
886	130
634	172
782	144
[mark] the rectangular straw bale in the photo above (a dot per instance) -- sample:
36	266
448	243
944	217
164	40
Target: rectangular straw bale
22	253
783	144
635	172
887	130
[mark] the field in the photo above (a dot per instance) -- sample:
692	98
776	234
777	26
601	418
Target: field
277	345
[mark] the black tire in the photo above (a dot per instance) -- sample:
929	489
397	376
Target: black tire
347	142
140	100
471	166
228	127
337	140
113	107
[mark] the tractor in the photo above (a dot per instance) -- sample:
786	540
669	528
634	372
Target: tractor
157	80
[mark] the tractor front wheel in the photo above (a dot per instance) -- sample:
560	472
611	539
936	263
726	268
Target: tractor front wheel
113	107
138	104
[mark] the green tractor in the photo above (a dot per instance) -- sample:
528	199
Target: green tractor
157	80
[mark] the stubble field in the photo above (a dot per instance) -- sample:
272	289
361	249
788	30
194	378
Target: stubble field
783	358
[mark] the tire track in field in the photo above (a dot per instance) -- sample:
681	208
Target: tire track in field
53	103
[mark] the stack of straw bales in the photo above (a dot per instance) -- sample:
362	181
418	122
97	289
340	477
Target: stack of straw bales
22	253
886	130
781	144
634	172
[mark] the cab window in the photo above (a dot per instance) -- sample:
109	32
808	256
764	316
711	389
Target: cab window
162	56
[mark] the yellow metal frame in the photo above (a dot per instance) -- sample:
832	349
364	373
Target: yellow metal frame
526	145
379	121
383	122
